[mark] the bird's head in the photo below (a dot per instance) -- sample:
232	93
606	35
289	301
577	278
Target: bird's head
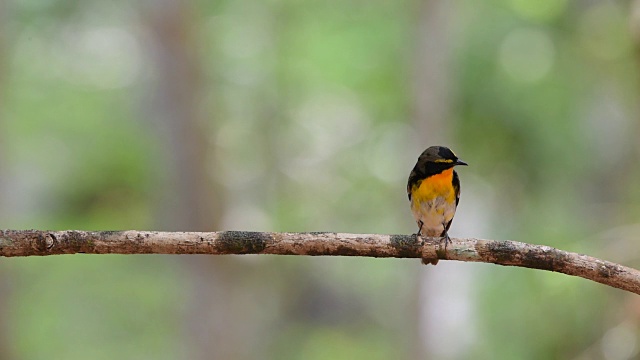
441	156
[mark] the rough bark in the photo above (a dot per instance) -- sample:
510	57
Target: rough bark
510	253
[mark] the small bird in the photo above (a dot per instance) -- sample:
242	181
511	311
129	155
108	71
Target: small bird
434	192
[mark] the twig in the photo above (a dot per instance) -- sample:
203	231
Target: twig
510	253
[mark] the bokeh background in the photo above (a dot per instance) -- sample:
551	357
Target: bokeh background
300	115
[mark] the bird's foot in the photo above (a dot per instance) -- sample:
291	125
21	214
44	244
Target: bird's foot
447	240
418	234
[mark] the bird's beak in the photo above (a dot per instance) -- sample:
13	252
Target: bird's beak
460	162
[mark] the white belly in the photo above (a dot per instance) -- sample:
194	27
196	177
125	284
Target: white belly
434	214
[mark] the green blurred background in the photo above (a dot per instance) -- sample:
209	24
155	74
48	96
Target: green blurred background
300	115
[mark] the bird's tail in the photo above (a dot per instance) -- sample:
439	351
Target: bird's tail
429	261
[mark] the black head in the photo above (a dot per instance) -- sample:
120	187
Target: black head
436	159
441	155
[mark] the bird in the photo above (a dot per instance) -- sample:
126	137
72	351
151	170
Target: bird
434	192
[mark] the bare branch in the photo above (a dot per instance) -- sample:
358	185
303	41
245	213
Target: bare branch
510	253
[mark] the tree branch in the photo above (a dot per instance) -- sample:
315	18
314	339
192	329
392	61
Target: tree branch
510	253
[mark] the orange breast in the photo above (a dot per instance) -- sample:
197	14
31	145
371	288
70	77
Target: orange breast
439	185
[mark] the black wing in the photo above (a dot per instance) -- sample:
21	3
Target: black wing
413	180
456	187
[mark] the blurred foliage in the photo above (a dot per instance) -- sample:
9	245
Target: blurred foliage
310	106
